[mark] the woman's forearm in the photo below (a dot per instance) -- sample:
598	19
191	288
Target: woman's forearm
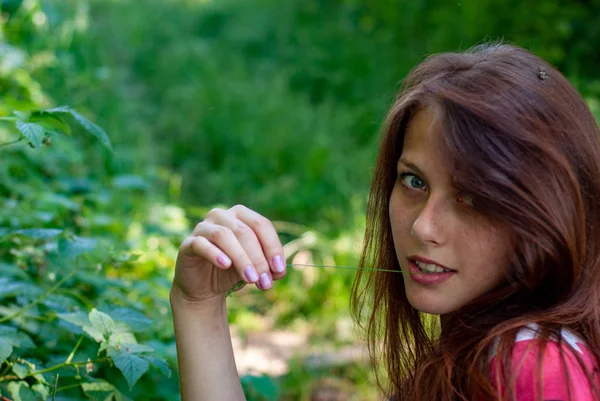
205	355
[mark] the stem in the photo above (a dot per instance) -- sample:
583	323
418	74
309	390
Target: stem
5	371
10	143
67	387
64	364
40	298
55	384
72	354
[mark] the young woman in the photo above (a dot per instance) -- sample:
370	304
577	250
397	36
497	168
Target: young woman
486	196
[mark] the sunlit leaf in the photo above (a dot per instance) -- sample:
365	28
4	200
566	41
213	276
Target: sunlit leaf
20	370
82	320
42	390
102	322
20	391
98	391
33	133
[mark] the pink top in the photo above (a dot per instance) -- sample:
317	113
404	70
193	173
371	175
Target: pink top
557	377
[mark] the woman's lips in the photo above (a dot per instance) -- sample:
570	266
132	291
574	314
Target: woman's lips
421	259
427	278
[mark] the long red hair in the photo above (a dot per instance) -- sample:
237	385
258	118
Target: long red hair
524	144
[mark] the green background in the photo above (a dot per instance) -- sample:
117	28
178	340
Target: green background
273	104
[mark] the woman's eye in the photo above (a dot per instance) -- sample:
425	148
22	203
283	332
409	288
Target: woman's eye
412	181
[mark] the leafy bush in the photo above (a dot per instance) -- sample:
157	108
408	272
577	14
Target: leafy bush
63	315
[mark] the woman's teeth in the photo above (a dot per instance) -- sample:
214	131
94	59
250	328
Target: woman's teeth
429	268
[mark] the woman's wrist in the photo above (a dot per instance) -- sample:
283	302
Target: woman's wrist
181	303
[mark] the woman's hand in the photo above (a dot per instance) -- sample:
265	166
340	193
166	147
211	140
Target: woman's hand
228	246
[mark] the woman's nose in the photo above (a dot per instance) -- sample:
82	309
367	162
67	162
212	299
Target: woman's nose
429	226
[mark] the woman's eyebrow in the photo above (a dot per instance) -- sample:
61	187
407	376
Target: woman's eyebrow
411	166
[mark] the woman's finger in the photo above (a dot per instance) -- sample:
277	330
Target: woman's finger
251	244
200	246
267	236
226	241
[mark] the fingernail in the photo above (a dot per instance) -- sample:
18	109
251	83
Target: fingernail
223	260
265	281
251	274
278	264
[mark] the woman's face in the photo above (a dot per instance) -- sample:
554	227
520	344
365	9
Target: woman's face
453	253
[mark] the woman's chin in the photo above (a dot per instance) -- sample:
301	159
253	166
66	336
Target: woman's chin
432	304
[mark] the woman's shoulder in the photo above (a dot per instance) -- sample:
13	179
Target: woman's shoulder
560	368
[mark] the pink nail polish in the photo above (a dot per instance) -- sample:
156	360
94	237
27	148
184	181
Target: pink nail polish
223	260
265	281
251	274
278	264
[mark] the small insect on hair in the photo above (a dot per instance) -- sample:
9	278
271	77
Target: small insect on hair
542	74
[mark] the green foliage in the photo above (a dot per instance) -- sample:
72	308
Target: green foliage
70	322
260	388
53	279
38	127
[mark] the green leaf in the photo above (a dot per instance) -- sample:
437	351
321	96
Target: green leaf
102	322
42	390
131	366
59	109
20	391
34	133
9	287
11	269
39	233
82	320
161	364
134	319
51	121
121	397
20	114
130	182
136	348
89	126
263	385
77	318
121	335
54	199
6	350
15	338
76	246
93	129
98	391
20	370
60	303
